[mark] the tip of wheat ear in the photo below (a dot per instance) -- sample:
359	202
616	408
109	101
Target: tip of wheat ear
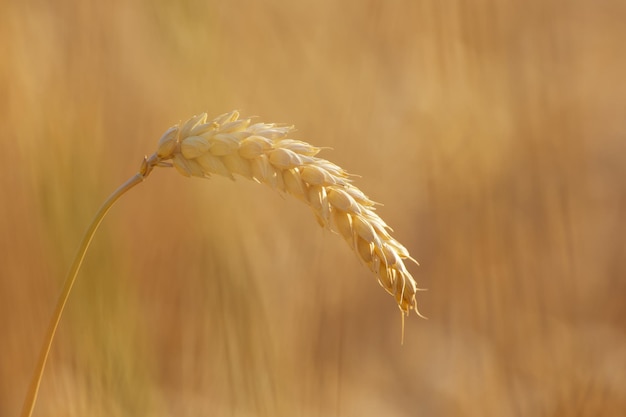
229	145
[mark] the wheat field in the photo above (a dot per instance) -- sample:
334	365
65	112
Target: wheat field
494	132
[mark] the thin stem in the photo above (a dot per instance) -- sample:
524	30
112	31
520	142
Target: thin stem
31	396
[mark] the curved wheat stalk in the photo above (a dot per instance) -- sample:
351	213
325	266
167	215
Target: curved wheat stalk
228	145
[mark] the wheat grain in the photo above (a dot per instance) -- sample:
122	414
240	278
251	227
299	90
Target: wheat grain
262	152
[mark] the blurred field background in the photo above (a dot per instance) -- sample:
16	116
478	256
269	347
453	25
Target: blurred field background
494	132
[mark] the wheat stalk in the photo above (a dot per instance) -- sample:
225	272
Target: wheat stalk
262	152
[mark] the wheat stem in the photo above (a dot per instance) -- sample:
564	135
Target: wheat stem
31	396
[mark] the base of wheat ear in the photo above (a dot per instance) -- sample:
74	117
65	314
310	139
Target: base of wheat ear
228	145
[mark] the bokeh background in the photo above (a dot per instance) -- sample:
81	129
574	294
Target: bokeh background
493	131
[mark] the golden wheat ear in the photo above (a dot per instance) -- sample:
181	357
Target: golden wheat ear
228	145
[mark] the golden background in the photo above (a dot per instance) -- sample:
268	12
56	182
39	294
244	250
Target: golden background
494	132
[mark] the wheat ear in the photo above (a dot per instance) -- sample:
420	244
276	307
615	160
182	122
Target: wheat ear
228	145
